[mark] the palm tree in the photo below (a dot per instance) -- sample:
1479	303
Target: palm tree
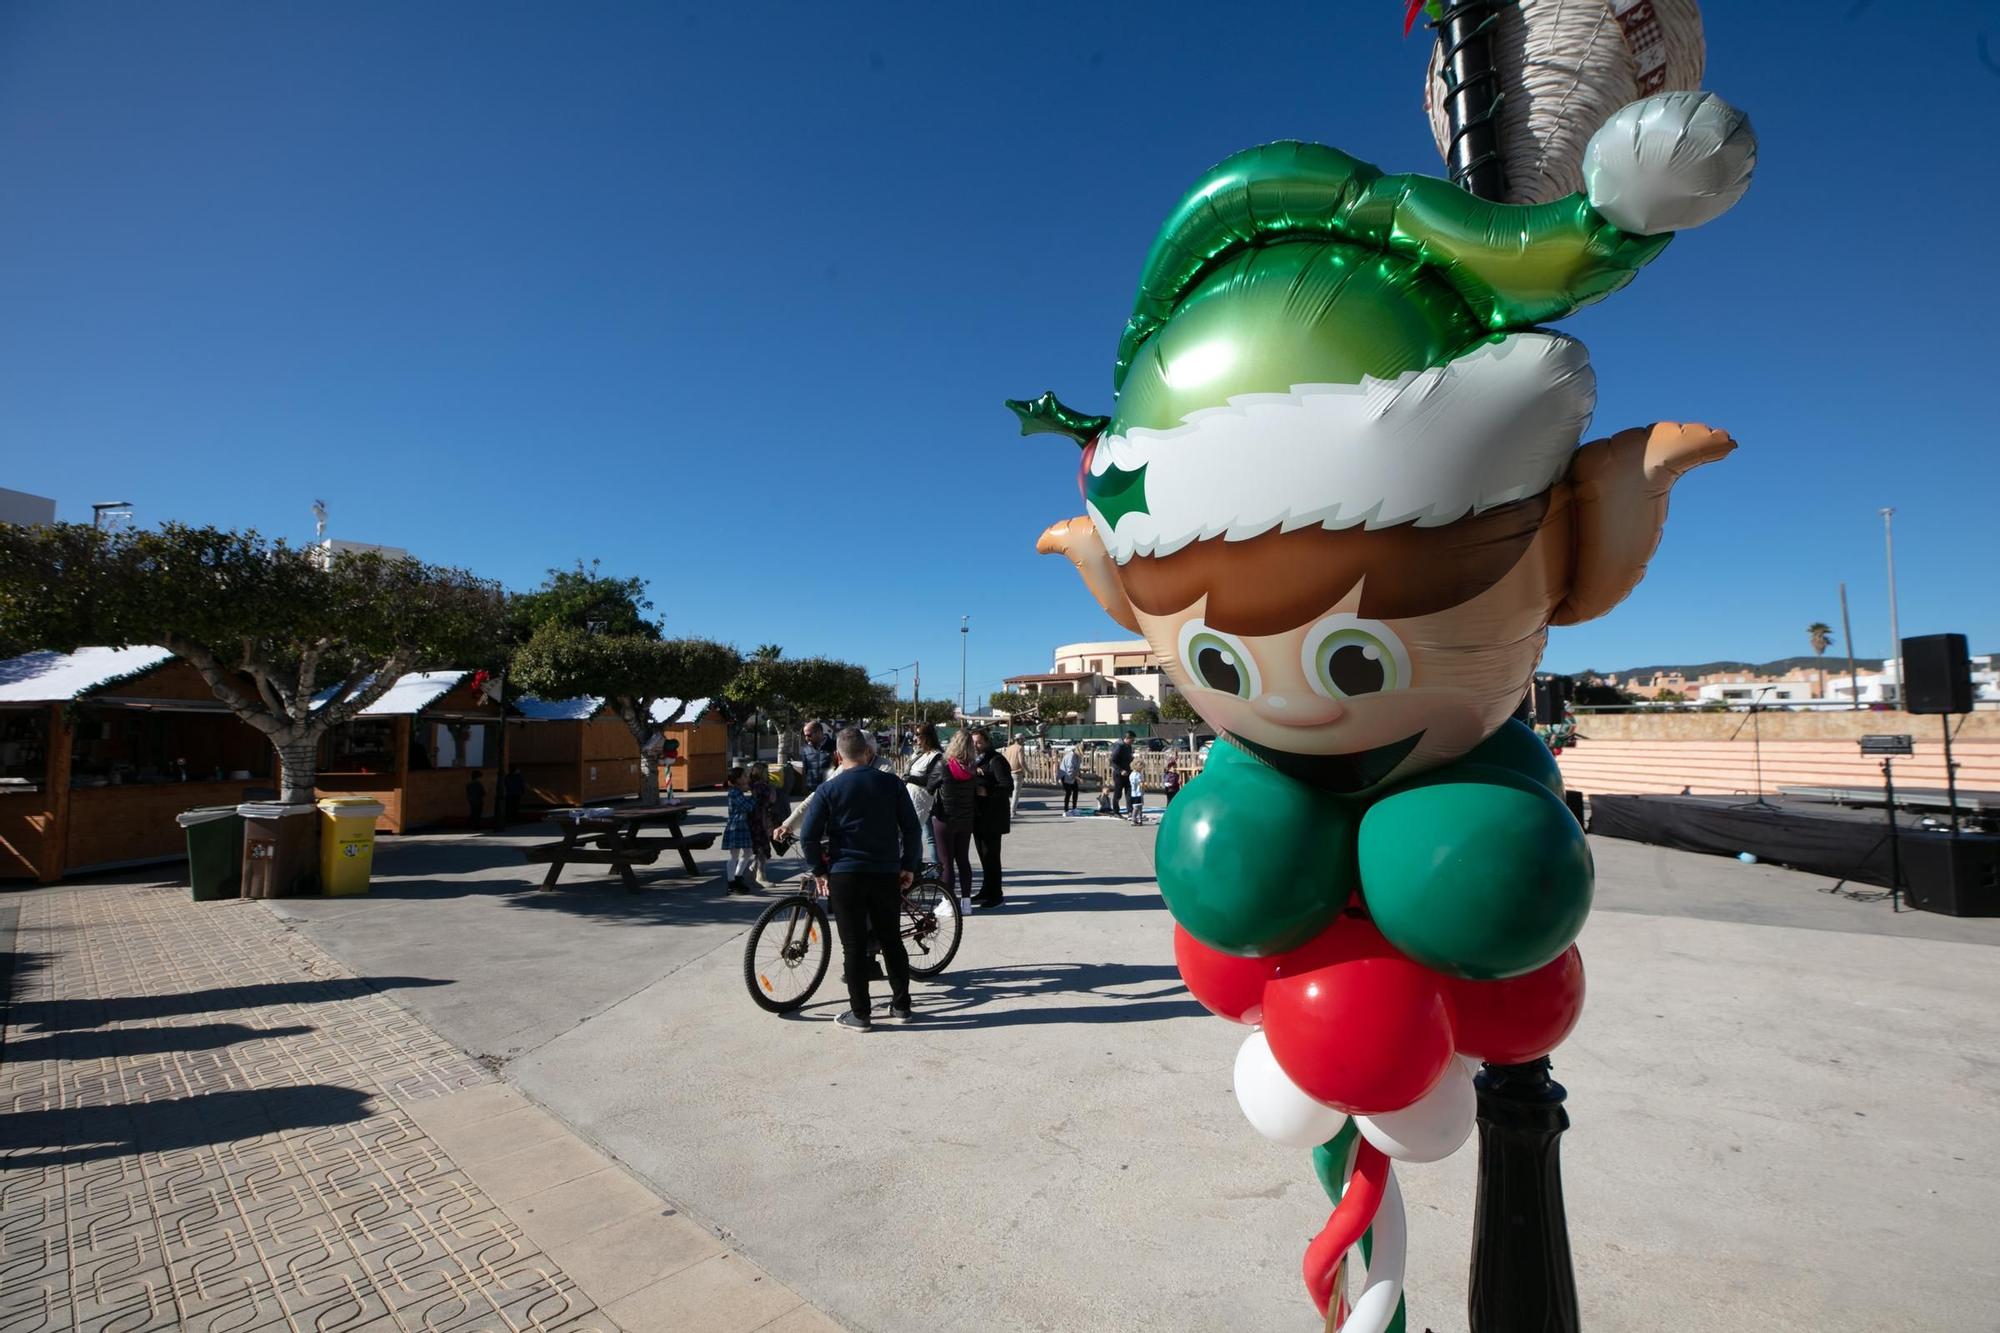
1820	634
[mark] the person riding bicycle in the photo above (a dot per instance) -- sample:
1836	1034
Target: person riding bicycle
863	829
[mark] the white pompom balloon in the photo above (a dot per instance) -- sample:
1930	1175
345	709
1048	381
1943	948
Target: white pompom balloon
1273	1104
1431	1128
1669	162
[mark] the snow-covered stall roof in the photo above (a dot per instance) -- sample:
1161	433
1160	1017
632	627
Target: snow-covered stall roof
557	710
414	692
49	678
664	709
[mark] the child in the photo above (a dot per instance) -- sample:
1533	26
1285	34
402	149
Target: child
736	833
1136	790
1170	780
765	799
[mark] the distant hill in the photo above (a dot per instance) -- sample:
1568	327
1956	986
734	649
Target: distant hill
1694	670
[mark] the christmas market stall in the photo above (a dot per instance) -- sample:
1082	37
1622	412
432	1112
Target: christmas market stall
100	749
417	750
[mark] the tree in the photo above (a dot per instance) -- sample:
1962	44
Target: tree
1669	697
933	711
1015	704
742	701
787	691
634	674
1820	635
293	642
1058	706
1174	707
582	599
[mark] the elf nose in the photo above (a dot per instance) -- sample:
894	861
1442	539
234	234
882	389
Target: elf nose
1293	710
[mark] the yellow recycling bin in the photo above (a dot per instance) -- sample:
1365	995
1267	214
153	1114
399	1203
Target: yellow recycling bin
346	844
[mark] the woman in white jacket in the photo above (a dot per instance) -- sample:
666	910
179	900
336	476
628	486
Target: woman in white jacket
917	782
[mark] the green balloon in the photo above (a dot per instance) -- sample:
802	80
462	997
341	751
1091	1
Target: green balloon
1476	871
1251	862
1516	747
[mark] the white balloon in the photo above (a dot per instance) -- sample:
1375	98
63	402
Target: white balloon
1273	1104
1431	1128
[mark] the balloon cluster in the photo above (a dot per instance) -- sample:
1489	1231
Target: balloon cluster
1379	945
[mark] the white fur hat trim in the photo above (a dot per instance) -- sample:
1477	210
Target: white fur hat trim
1428	447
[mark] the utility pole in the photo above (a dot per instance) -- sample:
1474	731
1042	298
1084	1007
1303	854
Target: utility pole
964	632
1847	632
1895	635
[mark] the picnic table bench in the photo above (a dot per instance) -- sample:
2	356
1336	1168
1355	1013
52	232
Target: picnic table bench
611	836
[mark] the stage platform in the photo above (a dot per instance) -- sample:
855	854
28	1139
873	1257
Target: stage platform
1820	839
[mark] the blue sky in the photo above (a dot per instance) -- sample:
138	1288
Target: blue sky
729	296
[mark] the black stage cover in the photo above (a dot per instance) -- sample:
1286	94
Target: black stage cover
1820	839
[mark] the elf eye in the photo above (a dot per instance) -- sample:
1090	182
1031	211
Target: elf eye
1218	661
1345	656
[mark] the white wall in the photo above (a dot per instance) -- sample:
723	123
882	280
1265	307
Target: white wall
25	509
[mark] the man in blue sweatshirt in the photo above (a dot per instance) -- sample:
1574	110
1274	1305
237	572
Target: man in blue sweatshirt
861	826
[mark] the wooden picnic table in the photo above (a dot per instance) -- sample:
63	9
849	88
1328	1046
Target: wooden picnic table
613	836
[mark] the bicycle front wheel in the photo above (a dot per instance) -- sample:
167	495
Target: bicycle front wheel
786	956
933	925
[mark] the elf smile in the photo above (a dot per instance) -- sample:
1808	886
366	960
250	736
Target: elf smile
1341	773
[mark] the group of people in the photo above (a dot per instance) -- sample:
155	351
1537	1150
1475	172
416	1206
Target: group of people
965	796
1125	790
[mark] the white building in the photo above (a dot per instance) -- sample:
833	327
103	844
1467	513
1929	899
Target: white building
27	510
330	547
1775	693
1119	677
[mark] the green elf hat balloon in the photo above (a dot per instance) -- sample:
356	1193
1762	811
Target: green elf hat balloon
1316	342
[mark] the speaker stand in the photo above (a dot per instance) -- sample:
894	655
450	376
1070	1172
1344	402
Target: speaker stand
1950	775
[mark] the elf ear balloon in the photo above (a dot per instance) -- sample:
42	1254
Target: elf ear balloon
1341	494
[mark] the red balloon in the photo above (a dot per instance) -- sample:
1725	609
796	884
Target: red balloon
1229	986
1521	1018
1232	987
1368	1035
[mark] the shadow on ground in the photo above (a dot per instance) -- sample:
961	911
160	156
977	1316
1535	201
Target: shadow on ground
122	1043
94	1133
992	996
69	1015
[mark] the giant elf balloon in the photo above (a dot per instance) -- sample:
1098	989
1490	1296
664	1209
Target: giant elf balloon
1343	496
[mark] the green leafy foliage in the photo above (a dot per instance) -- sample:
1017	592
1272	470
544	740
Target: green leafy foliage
932	711
241	603
629	671
1174	707
582	599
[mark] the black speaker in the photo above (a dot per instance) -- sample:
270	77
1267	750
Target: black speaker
1958	875
1937	674
1551	693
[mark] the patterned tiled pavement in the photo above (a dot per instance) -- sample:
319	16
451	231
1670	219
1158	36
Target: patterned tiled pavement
209	1124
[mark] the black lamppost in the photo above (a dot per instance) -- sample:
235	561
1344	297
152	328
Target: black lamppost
1523	1280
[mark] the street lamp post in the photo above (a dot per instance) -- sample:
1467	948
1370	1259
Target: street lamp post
964	631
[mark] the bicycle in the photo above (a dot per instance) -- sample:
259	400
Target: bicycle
790	947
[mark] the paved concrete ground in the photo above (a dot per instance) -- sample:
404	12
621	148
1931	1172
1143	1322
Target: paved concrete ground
1786	1103
212	1125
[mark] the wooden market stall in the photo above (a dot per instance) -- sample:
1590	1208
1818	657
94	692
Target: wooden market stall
416	749
574	753
101	748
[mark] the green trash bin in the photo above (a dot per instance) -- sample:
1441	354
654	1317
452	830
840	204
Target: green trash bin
215	851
